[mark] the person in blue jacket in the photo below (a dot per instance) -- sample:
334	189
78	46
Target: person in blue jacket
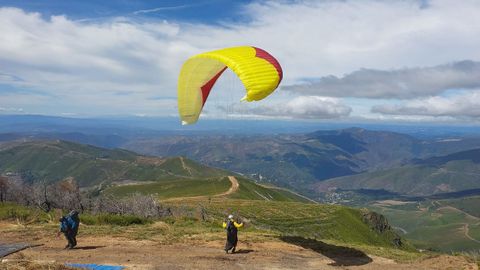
69	227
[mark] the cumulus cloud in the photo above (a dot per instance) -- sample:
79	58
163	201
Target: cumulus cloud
84	64
401	83
464	105
61	54
319	38
302	107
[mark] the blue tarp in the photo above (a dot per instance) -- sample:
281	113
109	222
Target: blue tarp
95	266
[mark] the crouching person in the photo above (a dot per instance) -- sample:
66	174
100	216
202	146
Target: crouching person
69	227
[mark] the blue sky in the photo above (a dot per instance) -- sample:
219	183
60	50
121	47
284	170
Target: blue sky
205	11
371	60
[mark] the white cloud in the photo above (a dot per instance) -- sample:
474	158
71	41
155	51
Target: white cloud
61	54
402	83
81	66
120	64
464	105
319	38
302	107
10	110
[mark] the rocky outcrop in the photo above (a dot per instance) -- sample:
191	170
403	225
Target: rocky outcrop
380	225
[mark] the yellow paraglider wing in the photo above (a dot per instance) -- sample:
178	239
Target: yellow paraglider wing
259	72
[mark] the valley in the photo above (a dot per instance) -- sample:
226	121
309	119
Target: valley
243	172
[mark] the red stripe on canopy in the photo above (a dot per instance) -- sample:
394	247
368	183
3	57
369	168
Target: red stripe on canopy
265	55
207	87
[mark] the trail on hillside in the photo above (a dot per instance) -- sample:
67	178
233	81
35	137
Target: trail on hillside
466	229
185	167
293	192
201	254
400	229
459	210
233	188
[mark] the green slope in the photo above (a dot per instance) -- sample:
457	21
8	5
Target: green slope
334	231
265	208
296	160
181	188
89	165
437	224
249	190
469	205
456	172
177	188
327	223
167	178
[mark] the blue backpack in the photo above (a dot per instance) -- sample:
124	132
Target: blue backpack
63	224
73	220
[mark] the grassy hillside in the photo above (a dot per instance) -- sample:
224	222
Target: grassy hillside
294	161
89	165
307	220
439	224
310	221
249	190
125	171
175	188
207	187
469	205
299	160
337	225
332	230
451	173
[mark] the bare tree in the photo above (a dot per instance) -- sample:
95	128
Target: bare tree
41	196
3	188
66	195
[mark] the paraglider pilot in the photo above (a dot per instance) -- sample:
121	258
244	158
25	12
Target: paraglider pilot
69	227
231	226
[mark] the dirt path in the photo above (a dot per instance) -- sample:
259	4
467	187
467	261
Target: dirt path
233	188
466	229
458	210
185	167
400	229
147	254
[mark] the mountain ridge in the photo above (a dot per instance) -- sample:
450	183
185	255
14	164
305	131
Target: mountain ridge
297	161
444	174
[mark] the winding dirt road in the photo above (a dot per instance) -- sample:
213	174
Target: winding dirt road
235	186
466	229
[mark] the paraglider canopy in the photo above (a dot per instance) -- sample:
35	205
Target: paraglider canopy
259	72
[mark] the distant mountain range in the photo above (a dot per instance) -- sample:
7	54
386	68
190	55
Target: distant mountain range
300	161
445	174
121	172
